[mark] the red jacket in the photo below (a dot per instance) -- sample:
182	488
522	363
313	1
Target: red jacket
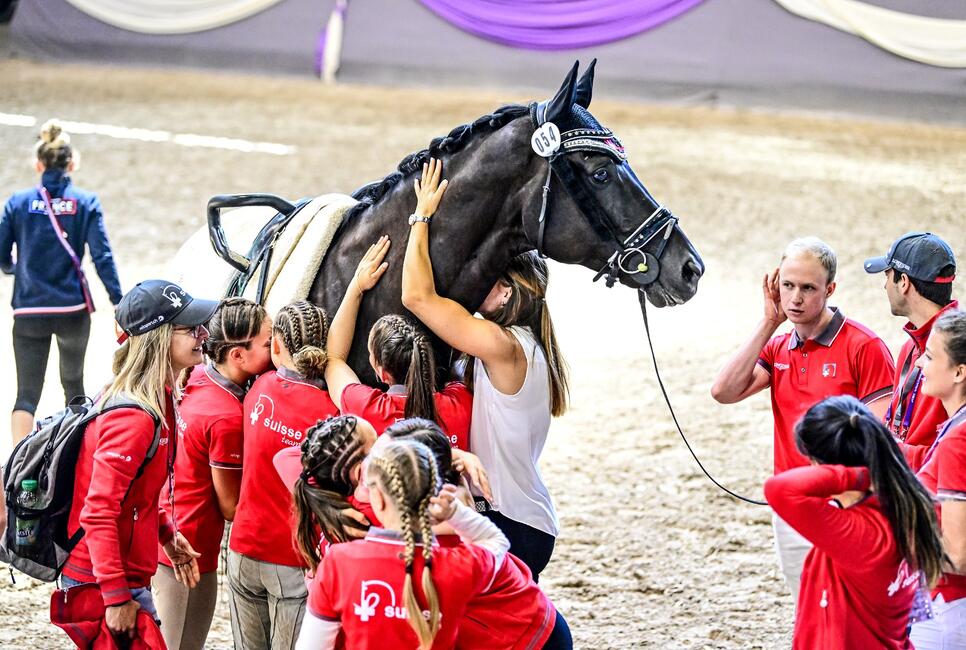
120	542
856	589
927	412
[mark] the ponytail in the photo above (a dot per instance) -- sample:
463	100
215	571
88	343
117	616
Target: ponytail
842	431
405	350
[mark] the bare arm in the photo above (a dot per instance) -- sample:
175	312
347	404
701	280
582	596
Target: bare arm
954	533
742	377
448	319
338	374
227	483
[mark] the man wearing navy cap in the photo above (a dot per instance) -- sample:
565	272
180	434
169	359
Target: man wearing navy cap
919	268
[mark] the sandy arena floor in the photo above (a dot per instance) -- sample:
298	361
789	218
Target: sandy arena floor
651	554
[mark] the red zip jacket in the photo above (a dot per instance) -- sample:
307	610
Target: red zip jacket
928	413
119	549
856	589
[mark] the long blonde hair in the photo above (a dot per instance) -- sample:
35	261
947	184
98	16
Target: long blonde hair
406	471
142	369
527	274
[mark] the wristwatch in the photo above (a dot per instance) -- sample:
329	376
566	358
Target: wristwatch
414	219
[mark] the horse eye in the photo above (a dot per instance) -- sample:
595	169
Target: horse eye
601	175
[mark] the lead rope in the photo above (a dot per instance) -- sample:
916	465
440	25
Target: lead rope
642	298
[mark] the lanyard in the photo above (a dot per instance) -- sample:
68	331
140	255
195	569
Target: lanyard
910	378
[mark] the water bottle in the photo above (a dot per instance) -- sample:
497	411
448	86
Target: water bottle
27	523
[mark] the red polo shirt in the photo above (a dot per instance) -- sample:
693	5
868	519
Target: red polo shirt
382	408
915	418
846	358
944	474
209	435
280	406
360	584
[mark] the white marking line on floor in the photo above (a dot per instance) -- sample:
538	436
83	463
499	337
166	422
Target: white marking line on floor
149	135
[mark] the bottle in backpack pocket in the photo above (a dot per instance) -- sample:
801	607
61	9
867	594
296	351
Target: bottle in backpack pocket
27	523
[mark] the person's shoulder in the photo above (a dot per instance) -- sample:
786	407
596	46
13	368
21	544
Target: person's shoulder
858	333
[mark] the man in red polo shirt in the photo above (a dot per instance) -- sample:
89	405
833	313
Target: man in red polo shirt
919	269
825	354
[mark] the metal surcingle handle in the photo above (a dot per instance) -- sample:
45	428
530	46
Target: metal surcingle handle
217	234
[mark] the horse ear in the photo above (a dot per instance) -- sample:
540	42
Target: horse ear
585	87
562	103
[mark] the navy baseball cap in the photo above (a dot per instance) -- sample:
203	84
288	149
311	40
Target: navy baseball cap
920	255
153	303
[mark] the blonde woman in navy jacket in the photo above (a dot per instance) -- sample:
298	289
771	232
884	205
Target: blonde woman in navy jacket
48	297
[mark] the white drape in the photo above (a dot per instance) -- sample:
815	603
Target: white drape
171	16
936	41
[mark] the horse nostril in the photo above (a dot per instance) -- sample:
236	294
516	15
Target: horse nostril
691	271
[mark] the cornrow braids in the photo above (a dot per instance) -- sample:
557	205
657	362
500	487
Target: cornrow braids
407	471
404	349
332	448
235	323
303	329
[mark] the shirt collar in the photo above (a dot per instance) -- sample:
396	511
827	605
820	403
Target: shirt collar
397	389
827	335
294	375
224	382
920	334
381	534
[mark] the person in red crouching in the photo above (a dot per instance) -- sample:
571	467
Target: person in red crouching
872	524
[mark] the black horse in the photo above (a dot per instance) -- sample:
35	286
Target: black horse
596	213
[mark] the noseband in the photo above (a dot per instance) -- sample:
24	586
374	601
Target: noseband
629	258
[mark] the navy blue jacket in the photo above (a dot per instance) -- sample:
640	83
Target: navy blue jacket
45	281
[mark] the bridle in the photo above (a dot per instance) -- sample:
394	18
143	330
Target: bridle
630	256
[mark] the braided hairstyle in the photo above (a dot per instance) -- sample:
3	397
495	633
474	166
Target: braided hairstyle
404	349
407	474
430	434
332	448
235	323
53	149
303	329
843	431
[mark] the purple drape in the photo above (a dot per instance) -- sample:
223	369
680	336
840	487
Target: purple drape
557	24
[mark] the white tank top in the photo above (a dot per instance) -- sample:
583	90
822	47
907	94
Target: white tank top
508	433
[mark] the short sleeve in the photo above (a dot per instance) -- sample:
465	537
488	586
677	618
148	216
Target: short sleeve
322	602
951	466
369	403
225	443
767	356
874	371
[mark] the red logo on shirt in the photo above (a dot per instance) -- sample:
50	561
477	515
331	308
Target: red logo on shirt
369	601
828	369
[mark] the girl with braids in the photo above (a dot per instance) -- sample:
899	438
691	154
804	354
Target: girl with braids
516	372
874	548
116	489
401	353
207	469
265	570
51	225
943	473
513	613
363	590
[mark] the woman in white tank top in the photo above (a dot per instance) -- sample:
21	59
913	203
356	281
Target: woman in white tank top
518	378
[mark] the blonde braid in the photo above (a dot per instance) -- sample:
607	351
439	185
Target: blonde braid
429	587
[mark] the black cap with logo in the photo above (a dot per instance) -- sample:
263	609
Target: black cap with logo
920	255
153	303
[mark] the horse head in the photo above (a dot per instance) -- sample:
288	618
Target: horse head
590	208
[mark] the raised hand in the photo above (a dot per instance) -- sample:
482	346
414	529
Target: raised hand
429	189
773	301
372	266
443	505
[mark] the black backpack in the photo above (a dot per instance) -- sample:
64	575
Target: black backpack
49	457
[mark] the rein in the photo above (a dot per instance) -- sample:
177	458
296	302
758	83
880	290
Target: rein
642	298
629	258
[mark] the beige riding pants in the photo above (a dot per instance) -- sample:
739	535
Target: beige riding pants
791	549
267	603
185	613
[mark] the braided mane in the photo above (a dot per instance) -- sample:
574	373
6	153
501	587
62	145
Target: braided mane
368	195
